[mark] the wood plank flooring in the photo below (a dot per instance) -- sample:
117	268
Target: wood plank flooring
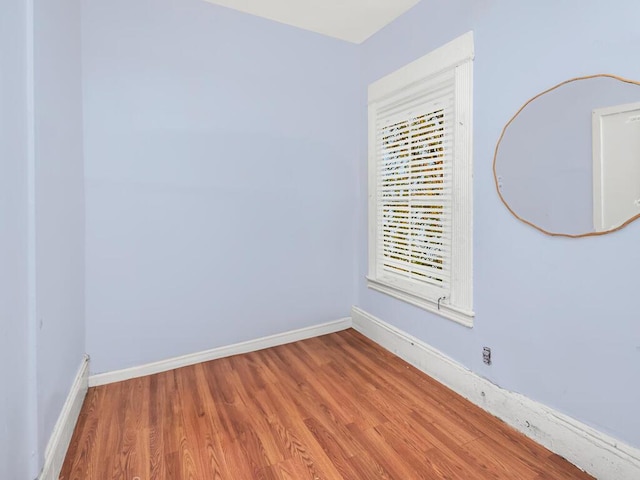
332	407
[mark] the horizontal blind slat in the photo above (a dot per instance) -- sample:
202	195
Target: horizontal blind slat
435	261
435	272
428	277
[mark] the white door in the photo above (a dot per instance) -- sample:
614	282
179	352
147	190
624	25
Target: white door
616	165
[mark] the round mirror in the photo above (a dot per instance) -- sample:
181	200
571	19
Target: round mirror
568	162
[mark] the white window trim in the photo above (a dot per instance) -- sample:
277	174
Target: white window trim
457	54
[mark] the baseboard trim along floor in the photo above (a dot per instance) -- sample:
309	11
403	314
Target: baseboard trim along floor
221	352
63	430
594	452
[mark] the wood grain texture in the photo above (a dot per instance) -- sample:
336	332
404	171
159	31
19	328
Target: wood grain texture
331	407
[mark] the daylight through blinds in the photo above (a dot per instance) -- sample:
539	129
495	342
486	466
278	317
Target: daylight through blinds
414	146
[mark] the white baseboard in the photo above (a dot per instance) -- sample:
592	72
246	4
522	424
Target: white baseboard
63	430
221	352
595	452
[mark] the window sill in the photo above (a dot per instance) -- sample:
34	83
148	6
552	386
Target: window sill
462	317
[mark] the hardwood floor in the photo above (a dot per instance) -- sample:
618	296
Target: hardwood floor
332	407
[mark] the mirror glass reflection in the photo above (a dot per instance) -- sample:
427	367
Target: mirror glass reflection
544	160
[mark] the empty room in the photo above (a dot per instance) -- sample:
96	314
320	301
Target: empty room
339	239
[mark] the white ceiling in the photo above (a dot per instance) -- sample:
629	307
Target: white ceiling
350	20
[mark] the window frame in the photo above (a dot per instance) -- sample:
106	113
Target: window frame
413	79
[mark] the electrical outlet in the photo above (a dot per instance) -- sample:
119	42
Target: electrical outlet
486	355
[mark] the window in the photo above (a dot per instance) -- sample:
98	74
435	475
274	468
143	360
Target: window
420	182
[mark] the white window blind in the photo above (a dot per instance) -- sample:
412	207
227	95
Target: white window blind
413	153
420	182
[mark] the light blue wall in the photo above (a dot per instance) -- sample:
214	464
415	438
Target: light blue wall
220	175
219	185
42	333
561	316
59	190
15	441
